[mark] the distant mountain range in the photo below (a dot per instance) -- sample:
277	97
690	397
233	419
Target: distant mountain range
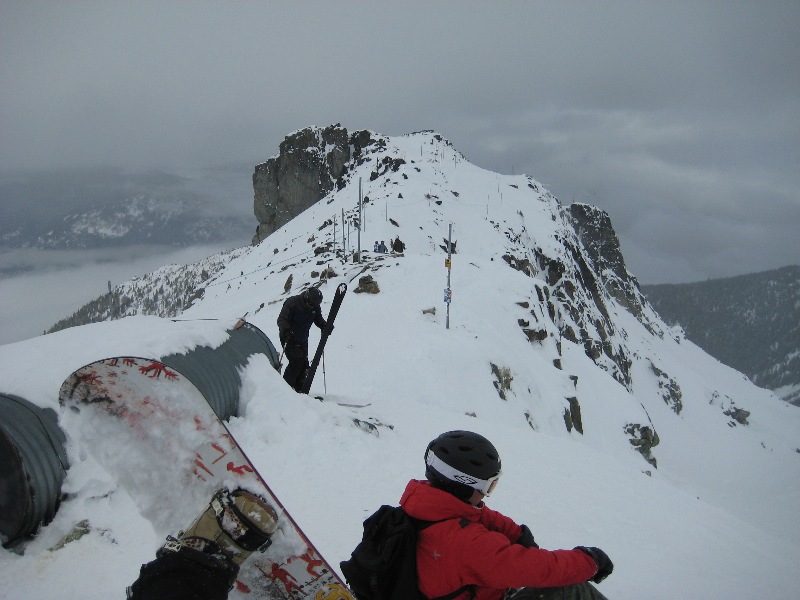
101	208
749	322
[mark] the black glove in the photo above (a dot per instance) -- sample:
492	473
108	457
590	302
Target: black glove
604	565
526	538
327	329
287	336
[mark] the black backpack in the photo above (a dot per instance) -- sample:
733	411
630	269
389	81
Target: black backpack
384	564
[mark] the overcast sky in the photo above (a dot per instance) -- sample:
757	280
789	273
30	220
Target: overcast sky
681	119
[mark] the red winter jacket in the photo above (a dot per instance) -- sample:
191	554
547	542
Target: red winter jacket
475	545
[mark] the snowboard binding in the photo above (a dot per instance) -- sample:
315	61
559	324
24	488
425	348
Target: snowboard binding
234	525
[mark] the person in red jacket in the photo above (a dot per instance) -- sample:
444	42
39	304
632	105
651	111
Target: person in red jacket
481	551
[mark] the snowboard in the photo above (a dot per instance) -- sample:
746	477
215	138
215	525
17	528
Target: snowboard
154	431
341	290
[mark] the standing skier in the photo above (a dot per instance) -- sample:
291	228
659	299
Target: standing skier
294	323
473	547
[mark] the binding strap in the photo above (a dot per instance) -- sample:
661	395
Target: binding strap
244	533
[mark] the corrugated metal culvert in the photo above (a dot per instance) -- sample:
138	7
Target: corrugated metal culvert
33	463
215	371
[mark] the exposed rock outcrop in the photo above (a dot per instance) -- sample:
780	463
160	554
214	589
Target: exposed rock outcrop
572	415
598	237
310	163
670	390
367	285
643	438
503	379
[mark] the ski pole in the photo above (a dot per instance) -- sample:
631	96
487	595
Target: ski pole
280	358
324	379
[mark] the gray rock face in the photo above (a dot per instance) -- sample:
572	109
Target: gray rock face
598	237
309	164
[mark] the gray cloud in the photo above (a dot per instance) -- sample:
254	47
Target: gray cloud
681	119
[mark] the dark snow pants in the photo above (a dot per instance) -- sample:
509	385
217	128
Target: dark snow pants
295	373
581	591
175	576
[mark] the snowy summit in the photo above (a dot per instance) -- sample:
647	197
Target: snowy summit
614	430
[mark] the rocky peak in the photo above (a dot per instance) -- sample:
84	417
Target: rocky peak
577	276
310	162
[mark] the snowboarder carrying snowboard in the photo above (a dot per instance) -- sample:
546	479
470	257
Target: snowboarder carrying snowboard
472	545
294	322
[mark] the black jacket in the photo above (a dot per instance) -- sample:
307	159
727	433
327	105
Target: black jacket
296	317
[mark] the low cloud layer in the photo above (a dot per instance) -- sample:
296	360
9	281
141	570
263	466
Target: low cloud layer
53	285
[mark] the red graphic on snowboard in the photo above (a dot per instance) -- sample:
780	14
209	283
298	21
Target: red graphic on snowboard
150	403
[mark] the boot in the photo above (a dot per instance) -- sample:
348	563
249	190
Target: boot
234	525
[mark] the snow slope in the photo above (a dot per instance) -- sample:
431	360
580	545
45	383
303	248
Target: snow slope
717	518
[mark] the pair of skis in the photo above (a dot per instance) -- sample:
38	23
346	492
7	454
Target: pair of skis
341	290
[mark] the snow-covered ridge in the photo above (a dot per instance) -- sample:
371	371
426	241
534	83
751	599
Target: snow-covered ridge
613	428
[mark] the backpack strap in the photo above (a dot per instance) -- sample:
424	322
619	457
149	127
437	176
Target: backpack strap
471	588
455	593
